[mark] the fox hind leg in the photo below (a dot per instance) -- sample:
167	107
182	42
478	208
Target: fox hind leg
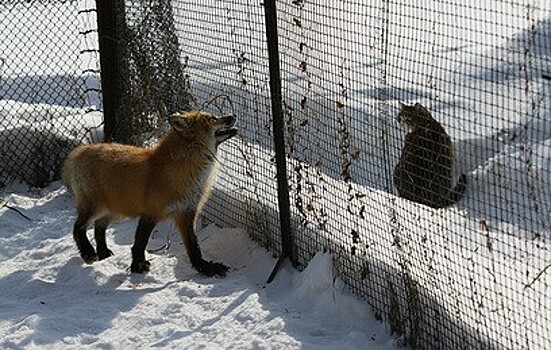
86	249
100	226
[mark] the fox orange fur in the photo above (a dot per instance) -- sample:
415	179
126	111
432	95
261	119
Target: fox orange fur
172	180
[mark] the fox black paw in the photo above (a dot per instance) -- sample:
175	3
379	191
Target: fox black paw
210	268
104	254
140	267
89	257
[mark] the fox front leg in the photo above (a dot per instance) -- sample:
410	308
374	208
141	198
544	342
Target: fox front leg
139	264
185	223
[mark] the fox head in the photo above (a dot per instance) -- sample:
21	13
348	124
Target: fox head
413	117
204	125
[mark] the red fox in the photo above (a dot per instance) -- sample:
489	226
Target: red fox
172	180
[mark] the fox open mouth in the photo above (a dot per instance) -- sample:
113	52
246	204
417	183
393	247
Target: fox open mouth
228	130
226	133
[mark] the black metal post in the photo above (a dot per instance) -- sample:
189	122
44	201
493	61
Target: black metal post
108	46
270	15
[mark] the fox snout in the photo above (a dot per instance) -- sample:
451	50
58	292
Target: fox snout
228	120
226	128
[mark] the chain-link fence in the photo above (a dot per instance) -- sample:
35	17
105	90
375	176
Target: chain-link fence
470	276
49	85
473	274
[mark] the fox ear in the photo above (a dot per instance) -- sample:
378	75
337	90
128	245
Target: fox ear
178	122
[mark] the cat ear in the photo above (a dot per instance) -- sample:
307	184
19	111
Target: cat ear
419	107
402	106
178	122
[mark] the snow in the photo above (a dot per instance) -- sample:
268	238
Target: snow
50	299
481	265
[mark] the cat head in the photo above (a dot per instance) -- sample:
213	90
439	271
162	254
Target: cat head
413	117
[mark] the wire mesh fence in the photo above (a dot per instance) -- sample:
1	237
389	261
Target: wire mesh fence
223	46
146	75
443	278
417	144
472	275
49	85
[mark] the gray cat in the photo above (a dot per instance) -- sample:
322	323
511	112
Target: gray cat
426	172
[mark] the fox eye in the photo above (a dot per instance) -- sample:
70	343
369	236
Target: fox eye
212	120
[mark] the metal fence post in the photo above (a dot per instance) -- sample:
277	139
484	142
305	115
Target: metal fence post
107	11
279	135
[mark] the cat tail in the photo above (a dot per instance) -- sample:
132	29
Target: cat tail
457	193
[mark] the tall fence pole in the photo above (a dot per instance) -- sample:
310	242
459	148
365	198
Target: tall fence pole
278	123
107	11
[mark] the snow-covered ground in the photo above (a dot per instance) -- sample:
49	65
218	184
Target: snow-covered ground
453	277
50	299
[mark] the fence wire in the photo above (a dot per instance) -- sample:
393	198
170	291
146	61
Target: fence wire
49	86
224	45
365	184
469	276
